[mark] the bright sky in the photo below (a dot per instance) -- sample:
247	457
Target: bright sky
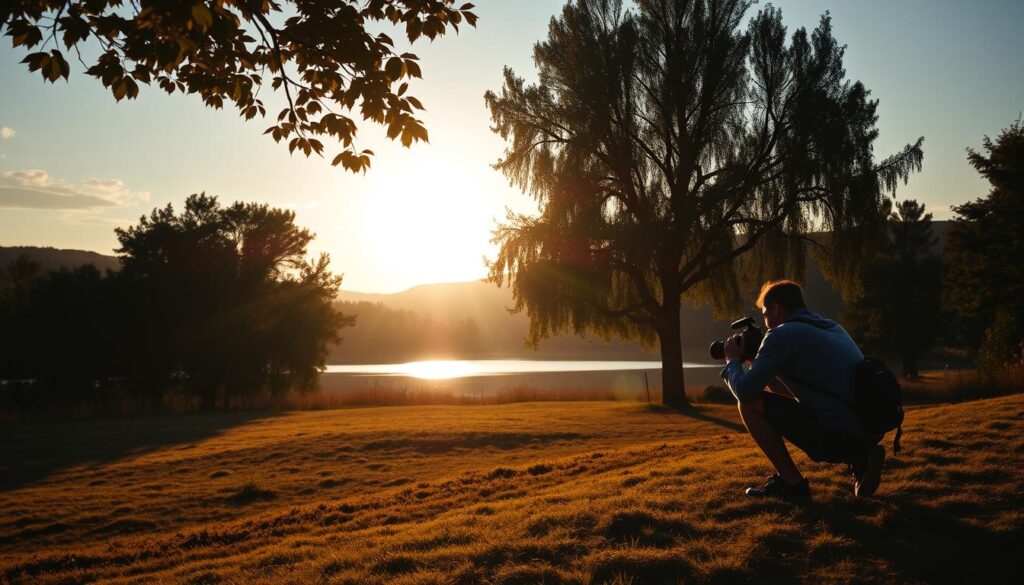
944	69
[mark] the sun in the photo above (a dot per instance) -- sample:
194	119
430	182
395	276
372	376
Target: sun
428	224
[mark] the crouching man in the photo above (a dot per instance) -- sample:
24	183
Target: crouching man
790	392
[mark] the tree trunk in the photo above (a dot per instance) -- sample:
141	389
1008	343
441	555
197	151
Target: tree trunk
910	366
157	397
673	391
208	395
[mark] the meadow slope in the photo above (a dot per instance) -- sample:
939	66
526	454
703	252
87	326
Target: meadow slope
550	493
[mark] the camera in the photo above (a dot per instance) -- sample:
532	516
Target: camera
751	335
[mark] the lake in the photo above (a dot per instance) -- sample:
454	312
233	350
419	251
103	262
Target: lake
449	369
629	378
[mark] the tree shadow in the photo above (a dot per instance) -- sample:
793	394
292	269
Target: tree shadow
697	413
32	451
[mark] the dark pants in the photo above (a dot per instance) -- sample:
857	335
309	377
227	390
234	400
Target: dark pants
800	427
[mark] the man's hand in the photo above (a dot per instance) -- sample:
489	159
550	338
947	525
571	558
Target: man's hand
734	348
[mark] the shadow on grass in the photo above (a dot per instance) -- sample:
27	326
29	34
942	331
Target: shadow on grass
923	544
32	451
696	412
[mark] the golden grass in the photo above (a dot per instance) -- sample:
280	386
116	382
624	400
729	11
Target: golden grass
581	492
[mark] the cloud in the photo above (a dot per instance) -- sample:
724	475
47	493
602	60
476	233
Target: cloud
36	189
6	132
31	178
114	190
28	198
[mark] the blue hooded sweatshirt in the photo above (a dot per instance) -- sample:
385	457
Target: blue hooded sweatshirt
802	357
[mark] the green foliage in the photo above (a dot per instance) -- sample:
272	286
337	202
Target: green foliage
674	153
986	241
318	53
898	311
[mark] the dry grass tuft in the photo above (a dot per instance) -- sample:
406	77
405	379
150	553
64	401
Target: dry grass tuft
251	492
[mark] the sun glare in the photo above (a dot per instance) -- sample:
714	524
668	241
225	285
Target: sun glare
438	369
430	223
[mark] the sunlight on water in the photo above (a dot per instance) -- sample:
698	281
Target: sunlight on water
440	369
450	369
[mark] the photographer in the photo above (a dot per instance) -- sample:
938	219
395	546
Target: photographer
779	396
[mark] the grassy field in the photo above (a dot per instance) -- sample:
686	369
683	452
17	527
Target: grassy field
584	492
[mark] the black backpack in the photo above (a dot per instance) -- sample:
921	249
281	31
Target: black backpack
878	397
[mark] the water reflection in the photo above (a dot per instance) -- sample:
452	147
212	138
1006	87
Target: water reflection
450	369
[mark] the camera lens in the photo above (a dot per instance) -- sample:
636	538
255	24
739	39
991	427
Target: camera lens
717	350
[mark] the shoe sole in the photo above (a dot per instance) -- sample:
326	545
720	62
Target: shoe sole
756	494
872	475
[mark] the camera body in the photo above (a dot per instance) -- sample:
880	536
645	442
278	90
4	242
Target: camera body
749	332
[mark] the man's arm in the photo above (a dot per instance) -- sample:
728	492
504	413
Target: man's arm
746	386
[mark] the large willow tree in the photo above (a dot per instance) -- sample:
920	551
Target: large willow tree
667	144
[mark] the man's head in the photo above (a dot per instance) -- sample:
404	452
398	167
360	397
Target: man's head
778	300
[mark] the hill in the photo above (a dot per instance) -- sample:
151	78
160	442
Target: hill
528	493
54	258
471	320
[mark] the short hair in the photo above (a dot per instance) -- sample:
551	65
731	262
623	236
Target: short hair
785	292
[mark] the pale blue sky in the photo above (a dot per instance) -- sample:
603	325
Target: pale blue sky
949	71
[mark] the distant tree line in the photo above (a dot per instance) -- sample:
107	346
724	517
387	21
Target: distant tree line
213	307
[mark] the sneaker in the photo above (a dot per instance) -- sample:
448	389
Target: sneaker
779	489
868	474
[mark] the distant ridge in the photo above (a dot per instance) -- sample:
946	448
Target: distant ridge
55	258
483	308
471	320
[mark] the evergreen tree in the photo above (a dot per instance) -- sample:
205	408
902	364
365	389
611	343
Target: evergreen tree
985	275
663	145
898	311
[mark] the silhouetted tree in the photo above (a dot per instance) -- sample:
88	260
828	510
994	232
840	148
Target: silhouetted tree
985	275
225	298
898	312
323	55
663	145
